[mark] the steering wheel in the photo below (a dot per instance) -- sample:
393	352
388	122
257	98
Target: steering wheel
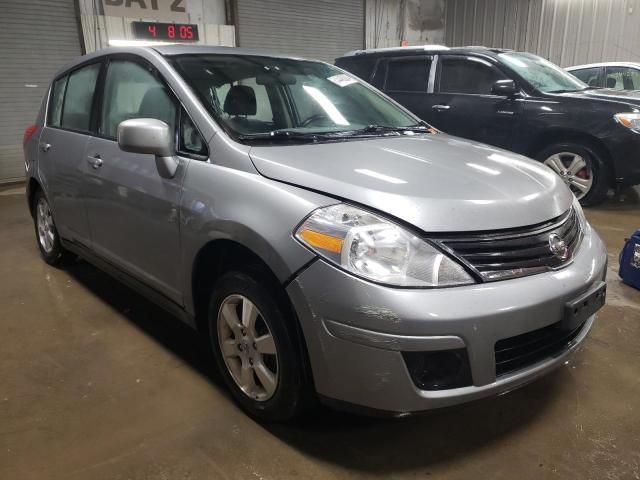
312	119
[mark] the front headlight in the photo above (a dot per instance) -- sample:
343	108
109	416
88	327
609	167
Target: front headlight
376	249
629	120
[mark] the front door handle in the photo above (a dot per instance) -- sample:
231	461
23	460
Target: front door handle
441	108
45	147
95	161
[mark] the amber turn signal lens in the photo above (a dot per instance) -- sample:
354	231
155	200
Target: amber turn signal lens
322	240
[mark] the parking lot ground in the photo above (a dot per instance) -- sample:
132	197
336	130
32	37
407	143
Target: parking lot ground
97	383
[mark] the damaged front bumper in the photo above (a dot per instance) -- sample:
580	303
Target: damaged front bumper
362	337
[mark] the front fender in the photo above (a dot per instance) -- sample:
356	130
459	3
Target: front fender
221	203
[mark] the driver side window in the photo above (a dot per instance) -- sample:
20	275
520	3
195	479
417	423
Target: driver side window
471	77
132	91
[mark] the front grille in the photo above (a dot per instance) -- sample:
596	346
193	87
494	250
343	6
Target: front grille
518	252
515	353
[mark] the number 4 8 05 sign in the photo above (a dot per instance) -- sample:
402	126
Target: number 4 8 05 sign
174	32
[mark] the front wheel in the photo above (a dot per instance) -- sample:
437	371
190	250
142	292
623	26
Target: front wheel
581	169
257	347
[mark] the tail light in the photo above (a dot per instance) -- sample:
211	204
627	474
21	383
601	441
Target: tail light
28	133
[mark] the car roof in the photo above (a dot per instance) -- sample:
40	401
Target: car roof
604	64
182	49
425	48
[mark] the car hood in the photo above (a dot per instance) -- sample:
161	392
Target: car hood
436	182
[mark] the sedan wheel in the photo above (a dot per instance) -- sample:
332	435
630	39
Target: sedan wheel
248	348
45	226
574	171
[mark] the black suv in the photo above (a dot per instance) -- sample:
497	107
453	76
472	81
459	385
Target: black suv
517	101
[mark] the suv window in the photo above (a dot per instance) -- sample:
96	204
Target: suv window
133	91
408	75
588	75
470	76
623	78
55	101
361	67
76	109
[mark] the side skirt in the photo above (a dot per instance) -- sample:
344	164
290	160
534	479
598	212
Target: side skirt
133	283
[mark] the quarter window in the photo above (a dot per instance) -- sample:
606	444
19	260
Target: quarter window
76	109
190	139
132	91
55	101
408	75
462	75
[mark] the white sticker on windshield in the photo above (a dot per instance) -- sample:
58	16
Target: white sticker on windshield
342	80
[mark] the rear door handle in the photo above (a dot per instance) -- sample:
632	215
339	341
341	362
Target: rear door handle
441	108
95	161
45	147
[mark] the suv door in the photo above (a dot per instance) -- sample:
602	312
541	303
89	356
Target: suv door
407	82
61	150
133	212
622	78
465	104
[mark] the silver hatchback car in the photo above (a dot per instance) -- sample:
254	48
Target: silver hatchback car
330	245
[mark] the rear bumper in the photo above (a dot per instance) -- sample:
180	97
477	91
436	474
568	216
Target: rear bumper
356	331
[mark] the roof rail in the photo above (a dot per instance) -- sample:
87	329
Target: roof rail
390	49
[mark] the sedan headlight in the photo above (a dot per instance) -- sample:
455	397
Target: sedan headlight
377	249
629	120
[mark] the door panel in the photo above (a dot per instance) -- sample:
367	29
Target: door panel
62	168
134	214
465	106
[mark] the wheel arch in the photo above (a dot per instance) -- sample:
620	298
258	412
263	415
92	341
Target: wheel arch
553	136
32	187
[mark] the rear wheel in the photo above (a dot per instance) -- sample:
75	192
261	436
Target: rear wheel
581	169
257	347
46	233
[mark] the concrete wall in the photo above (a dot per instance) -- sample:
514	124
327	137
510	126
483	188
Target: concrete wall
209	15
417	22
567	32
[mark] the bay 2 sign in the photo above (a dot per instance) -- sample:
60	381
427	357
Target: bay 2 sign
171	10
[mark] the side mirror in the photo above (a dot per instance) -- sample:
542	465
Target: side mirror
504	88
151	136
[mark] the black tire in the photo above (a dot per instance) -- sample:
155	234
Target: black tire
52	253
294	393
601	181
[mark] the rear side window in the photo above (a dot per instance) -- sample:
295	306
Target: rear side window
55	101
461	75
588	76
623	78
408	75
76	109
132	91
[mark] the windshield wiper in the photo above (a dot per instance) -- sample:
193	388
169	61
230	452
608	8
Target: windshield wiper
389	129
282	135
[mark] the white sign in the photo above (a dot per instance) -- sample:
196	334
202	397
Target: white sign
168	10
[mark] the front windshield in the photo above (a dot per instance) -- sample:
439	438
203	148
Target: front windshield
542	74
254	96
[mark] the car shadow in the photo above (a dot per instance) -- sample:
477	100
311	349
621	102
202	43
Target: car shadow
363	444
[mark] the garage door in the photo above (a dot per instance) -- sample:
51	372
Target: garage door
321	29
36	38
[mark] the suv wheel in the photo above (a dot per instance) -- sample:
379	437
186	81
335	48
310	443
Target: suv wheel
46	232
580	168
257	348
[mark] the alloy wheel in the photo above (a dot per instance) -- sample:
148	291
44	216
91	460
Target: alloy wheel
46	228
248	347
574	171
